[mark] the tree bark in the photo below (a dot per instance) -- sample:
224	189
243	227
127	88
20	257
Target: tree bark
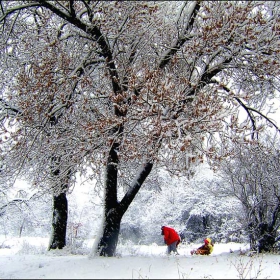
59	222
60	204
108	242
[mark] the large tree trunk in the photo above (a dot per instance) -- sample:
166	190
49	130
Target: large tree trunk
60	207
115	210
59	222
108	242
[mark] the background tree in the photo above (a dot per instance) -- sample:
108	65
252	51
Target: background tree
252	177
137	84
24	213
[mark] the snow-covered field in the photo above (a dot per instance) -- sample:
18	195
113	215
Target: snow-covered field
27	258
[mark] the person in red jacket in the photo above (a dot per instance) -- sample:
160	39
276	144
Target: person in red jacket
171	239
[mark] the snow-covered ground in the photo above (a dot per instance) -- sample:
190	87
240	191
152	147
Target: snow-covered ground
27	258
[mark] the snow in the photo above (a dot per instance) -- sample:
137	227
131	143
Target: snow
28	258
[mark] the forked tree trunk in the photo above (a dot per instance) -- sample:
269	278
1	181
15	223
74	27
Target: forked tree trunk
115	210
59	222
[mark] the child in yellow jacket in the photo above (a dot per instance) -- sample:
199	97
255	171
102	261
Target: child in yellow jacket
205	249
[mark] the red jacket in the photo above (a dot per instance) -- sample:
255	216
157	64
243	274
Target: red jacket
170	235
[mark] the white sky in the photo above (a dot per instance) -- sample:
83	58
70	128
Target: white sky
27	258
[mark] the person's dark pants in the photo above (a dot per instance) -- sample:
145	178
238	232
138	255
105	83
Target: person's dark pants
172	247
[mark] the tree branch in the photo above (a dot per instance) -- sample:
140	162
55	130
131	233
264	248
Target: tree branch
7	107
13	202
143	173
181	39
17	8
72	10
248	109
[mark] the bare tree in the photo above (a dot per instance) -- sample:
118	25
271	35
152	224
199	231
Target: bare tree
133	84
252	176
